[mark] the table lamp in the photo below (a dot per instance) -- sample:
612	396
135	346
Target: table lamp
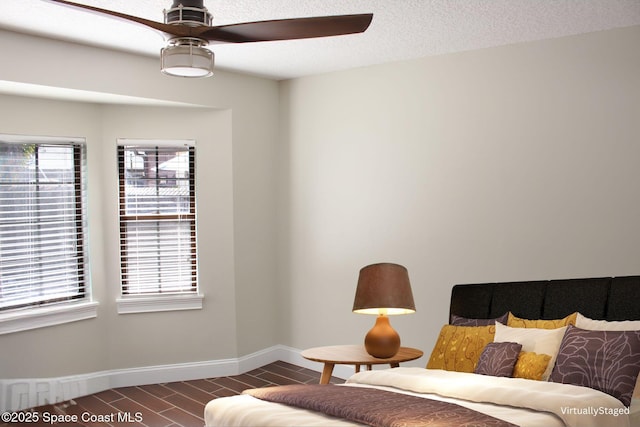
383	289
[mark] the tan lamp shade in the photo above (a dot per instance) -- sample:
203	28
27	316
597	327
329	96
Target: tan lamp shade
383	289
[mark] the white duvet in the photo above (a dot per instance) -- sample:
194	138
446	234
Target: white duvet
522	402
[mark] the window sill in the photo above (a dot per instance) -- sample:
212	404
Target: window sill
40	317
149	304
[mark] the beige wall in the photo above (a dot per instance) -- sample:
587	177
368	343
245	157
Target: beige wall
233	118
511	163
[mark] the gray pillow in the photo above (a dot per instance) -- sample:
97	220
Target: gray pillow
498	359
608	361
463	321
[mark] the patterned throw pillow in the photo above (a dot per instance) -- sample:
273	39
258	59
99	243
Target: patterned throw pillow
464	321
531	366
516	322
459	347
498	359
602	360
583	322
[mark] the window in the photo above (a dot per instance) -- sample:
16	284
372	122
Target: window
43	252
157	220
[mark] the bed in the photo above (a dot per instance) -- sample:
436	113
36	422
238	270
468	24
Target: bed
538	353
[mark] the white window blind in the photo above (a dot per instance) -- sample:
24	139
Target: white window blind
43	254
157	219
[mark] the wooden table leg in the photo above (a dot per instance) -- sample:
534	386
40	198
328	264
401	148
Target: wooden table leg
326	373
357	368
394	365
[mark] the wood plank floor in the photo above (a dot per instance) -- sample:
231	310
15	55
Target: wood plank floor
178	404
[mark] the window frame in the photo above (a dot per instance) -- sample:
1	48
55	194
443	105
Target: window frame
131	302
56	311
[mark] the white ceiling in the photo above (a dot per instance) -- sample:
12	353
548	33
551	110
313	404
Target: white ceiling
401	29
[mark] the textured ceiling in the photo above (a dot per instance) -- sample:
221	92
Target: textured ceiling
401	29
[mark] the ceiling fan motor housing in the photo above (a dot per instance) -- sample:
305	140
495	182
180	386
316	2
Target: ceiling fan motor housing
188	12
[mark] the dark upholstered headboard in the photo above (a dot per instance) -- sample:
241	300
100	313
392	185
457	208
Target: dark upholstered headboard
604	298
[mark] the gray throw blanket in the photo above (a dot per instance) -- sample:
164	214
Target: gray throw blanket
376	408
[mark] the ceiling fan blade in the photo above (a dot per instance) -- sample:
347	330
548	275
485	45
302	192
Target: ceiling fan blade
173	30
286	29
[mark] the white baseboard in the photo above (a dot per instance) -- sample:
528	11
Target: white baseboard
18	394
292	355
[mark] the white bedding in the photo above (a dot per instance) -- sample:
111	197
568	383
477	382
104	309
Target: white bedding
541	404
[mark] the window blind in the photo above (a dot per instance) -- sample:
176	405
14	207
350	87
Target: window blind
157	219
43	257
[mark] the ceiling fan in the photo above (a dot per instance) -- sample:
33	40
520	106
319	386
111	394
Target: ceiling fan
187	24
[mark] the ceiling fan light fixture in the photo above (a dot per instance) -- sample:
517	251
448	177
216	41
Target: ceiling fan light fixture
187	57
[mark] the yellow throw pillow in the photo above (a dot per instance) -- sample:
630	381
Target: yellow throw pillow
516	322
531	365
459	347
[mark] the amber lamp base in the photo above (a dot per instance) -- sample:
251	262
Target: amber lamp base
382	341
